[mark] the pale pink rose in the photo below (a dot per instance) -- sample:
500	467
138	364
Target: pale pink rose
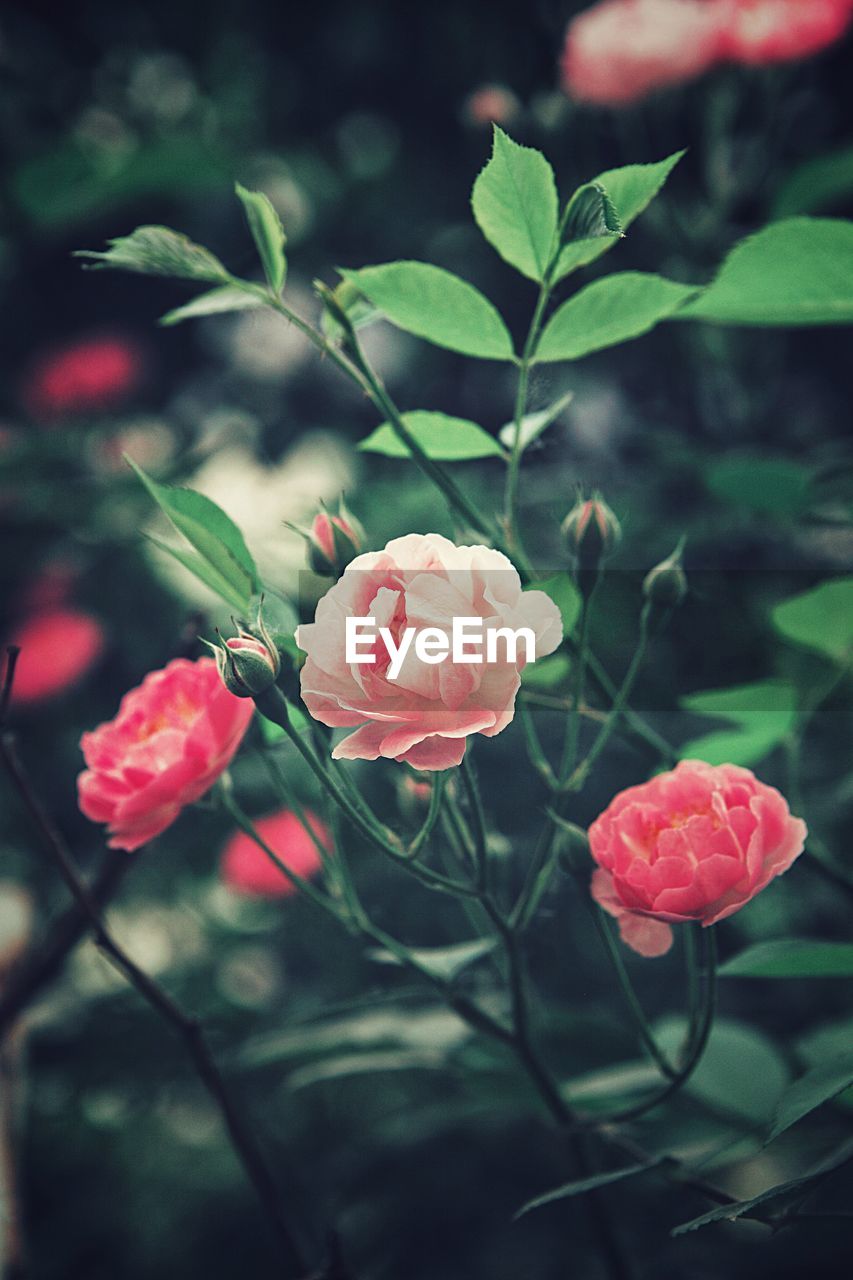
619	51
171	739
246	869
425	715
696	843
759	32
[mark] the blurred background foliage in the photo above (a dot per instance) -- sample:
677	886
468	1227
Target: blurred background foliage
384	1117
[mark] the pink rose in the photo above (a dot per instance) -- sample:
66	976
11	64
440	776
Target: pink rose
619	51
58	647
424	712
759	32
696	843
248	870
172	738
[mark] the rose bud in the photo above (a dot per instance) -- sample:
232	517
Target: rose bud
334	541
591	531
247	665
666	584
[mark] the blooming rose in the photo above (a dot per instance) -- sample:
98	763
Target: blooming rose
58	646
758	32
89	375
426	713
618	51
172	738
248	870
696	843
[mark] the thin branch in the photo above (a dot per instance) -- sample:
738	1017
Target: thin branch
43	964
189	1030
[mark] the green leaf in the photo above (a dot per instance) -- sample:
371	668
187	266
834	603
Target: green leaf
812	1090
444	963
211	532
440	436
267	233
631	190
609	311
436	305
768	486
764	712
515	205
783	1196
740	1074
744	746
229	297
816	185
533	424
590	214
792	958
428	1027
547	672
820	619
566	597
159	251
204	571
584	1185
795	272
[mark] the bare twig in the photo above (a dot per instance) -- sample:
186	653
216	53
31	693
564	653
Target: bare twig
187	1027
39	967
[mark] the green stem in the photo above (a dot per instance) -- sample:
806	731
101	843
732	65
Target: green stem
273	705
514	464
358	370
695	1050
602	924
435	802
579	775
475	802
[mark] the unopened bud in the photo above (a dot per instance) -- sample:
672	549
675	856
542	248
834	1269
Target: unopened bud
247	665
591	531
334	541
666	584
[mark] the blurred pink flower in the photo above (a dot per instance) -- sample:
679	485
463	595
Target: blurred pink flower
424	715
58	646
619	51
696	843
172	738
758	32
89	375
248	870
491	104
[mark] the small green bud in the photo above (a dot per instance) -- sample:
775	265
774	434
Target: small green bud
591	531
666	584
247	665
